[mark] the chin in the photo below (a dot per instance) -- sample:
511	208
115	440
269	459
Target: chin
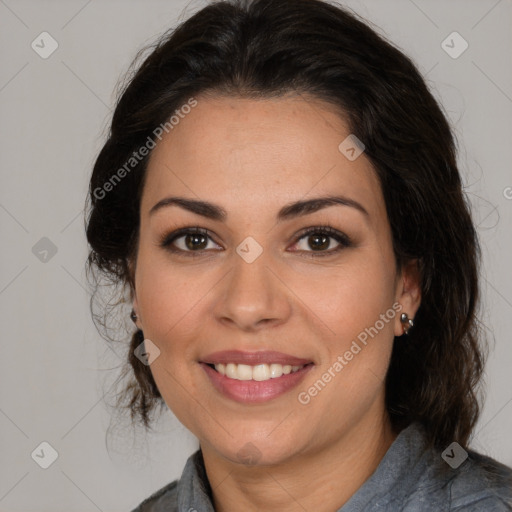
257	452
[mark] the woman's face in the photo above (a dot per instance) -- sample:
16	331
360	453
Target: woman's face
261	277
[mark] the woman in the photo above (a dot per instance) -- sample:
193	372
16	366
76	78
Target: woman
280	198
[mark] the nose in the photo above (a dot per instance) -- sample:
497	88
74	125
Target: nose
252	296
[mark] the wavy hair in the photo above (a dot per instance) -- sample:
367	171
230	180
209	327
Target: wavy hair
267	48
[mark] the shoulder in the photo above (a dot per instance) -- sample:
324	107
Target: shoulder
192	488
163	500
481	483
418	476
478	483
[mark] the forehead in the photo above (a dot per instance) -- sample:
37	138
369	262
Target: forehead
259	153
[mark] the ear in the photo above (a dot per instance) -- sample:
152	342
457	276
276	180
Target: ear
133	293
135	307
408	292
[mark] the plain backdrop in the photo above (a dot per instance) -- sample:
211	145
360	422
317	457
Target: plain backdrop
53	119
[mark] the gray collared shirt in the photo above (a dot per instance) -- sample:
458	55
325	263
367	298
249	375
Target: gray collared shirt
411	478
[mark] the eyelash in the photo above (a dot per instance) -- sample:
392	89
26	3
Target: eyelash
343	240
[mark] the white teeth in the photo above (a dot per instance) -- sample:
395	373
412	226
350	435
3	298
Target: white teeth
276	370
259	372
231	371
244	372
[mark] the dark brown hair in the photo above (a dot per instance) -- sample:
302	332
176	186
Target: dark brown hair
267	48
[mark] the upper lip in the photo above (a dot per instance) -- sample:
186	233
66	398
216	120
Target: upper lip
253	358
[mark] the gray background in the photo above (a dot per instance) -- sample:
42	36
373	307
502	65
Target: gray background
53	118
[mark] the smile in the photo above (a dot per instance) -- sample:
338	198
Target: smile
260	372
254	384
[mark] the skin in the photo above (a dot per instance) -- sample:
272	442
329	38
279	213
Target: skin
252	157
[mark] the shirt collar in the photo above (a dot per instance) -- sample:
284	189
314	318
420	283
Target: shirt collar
397	471
194	490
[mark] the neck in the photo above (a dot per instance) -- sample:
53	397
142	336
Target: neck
322	480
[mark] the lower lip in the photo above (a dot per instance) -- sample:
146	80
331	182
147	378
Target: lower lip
252	391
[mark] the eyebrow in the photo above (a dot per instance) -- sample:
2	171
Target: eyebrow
290	211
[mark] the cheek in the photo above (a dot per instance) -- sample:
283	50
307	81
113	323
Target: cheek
351	297
355	303
170	302
169	299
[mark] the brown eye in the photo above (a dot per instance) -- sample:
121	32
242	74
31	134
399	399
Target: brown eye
322	240
188	240
319	242
195	241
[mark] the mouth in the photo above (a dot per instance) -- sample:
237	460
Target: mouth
254	377
252	391
259	373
